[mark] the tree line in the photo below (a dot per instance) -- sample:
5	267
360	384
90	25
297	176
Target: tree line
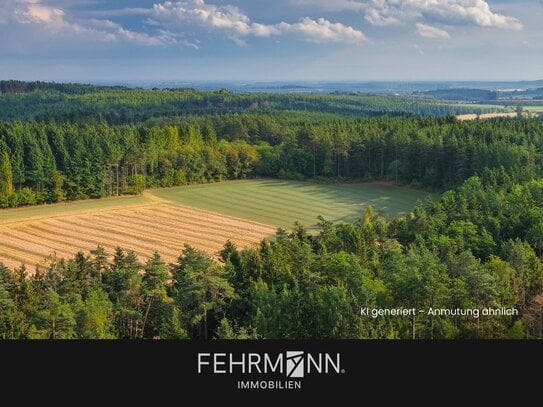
21	87
51	162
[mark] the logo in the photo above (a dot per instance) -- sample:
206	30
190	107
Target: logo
269	371
295	366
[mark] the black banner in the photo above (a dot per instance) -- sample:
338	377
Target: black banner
236	370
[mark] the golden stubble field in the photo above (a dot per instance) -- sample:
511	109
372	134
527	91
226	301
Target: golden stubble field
156	226
468	117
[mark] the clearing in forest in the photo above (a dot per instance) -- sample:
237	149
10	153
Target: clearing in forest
205	216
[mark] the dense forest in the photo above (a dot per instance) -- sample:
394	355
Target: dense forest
50	162
479	246
117	105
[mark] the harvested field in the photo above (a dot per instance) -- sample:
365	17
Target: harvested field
467	117
165	227
204	216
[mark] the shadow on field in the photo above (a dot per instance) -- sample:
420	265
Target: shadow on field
385	200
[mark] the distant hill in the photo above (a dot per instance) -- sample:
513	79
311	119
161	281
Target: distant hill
536	93
116	105
465	95
324	87
19	87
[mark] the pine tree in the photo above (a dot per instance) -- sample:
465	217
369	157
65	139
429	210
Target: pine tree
201	288
156	299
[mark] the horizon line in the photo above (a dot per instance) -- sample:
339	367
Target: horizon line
93	81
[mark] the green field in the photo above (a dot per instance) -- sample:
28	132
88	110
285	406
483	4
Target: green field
272	202
537	109
500	107
281	203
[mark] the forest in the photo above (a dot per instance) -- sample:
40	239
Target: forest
49	162
462	94
478	246
117	105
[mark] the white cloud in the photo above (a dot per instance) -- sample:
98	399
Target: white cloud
236	25
453	12
476	12
428	31
166	23
466	12
323	30
379	17
227	19
55	22
41	14
111	31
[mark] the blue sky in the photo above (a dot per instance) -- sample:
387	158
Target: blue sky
271	40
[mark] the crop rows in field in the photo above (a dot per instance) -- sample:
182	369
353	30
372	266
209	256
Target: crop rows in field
281	203
205	216
162	227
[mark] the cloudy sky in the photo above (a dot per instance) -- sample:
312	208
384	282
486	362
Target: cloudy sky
271	39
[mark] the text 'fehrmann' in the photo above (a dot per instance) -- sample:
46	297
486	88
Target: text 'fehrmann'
294	365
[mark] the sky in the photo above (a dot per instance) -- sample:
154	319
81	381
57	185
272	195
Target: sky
271	40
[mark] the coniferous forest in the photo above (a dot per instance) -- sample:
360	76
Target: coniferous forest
479	246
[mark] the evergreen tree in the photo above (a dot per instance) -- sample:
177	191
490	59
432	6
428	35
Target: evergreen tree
201	289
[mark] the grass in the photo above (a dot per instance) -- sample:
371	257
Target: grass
502	108
273	202
537	109
281	203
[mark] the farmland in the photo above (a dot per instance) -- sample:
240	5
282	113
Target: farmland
489	109
281	203
464	117
204	216
537	109
529	112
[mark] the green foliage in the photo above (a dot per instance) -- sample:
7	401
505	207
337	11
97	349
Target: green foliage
54	319
517	331
155	298
58	188
227	331
6	175
172	326
96	316
296	286
87	103
68	161
201	289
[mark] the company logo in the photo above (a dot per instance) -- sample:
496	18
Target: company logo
289	366
295	365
